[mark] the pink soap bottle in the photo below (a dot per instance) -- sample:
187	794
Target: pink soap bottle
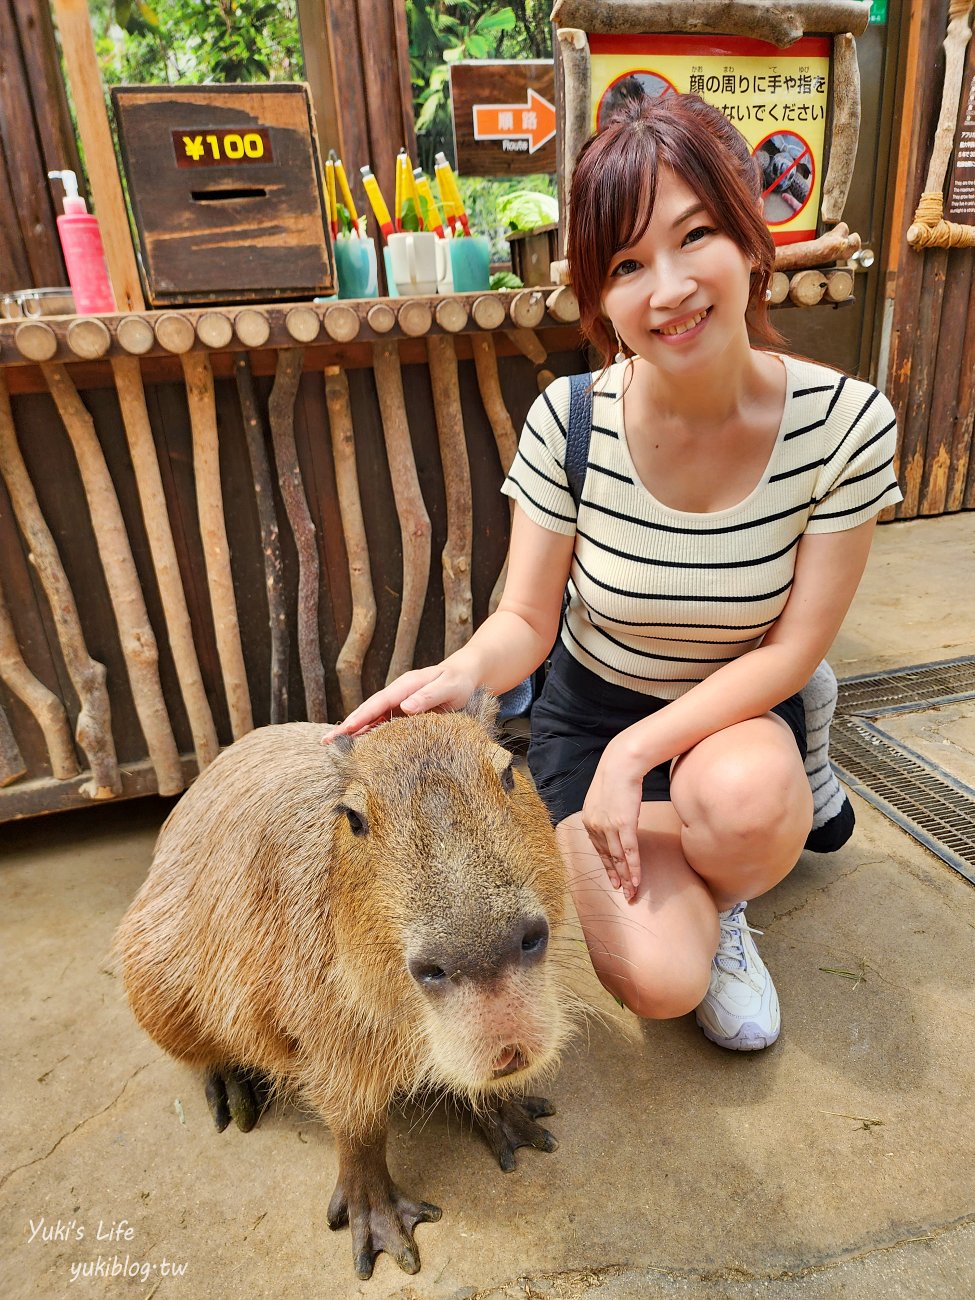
84	255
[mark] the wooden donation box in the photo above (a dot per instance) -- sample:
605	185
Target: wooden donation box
225	184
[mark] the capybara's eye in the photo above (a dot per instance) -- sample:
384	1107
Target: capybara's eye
535	940
427	973
508	778
357	823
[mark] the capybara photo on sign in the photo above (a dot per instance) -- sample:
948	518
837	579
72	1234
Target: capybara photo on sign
359	922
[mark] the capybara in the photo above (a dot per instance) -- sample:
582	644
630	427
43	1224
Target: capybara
358	921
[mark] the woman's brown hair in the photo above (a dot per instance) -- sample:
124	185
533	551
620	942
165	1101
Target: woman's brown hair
614	187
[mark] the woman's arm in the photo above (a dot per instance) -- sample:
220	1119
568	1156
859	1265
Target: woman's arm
828	570
508	645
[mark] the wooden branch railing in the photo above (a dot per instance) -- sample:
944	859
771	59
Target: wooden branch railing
270	540
93	722
213	530
281	405
348	665
231	329
414	521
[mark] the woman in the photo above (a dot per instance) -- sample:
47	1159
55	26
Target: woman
723	528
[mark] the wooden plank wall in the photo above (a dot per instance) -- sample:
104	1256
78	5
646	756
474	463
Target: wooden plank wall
931	371
35	137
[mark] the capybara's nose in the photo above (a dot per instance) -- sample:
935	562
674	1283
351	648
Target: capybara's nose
444	961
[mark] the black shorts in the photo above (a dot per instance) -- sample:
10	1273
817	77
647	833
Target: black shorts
578	714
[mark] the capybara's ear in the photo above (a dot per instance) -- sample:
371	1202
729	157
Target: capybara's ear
342	750
483	707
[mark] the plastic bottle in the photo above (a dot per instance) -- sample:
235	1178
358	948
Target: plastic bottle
84	255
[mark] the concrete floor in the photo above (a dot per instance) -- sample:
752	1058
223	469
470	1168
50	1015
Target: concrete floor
838	1163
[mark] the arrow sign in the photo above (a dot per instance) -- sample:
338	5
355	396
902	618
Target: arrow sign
534	120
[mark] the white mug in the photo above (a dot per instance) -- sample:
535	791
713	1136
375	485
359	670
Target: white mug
419	260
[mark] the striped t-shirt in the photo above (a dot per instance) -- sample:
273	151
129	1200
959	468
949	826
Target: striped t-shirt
660	598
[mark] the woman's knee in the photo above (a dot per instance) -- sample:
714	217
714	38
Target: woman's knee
659	994
759	794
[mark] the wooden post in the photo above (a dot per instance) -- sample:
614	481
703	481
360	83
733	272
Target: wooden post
916	283
780	23
845	136
124	589
573	51
213	533
456	556
929	228
836	244
281	413
348	665
414	522
270	541
962	462
142	450
47	709
93	728
78	47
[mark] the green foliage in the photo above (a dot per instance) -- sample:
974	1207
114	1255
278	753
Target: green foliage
197	40
443	31
482	197
526	209
506	280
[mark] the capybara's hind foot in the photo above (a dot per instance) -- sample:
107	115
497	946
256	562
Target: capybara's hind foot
380	1216
236	1094
508	1125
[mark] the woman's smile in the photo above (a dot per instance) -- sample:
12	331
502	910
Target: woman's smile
686	327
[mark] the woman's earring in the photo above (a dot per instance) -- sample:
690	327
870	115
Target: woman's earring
620	354
768	295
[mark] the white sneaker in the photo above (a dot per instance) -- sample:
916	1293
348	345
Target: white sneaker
740	1010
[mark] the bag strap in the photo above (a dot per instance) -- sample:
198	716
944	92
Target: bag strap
578	433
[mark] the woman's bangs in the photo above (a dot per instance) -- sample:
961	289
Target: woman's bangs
627	194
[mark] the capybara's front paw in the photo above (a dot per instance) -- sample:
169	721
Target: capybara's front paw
508	1125
235	1094
381	1219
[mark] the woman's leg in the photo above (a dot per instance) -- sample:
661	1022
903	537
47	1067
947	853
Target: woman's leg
654	954
744	801
740	812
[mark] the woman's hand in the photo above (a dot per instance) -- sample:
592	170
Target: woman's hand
610	815
441	687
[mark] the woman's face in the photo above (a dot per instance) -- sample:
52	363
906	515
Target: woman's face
678	295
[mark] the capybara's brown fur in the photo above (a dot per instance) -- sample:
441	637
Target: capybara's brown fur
358	921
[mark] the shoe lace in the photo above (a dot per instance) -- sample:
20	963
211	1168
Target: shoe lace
731	950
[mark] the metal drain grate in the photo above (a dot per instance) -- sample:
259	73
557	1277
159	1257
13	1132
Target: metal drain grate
906	690
929	803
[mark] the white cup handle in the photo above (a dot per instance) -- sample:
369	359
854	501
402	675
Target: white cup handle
443	260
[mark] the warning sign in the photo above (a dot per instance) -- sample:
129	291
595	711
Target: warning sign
776	98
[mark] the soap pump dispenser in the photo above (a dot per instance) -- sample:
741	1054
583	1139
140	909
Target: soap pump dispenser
84	254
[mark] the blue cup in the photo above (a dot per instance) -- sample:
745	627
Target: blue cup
470	262
355	266
391	290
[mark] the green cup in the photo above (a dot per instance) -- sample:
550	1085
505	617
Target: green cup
470	263
355	266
